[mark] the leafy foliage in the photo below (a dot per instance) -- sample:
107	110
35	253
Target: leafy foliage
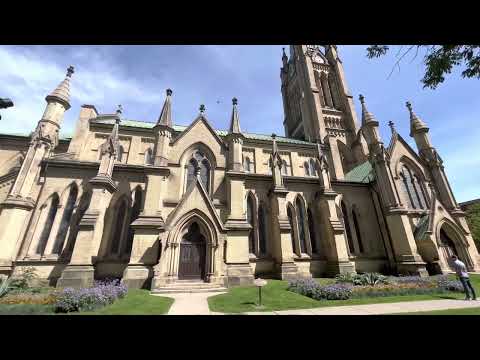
88	299
371	279
24	279
439	60
29	298
312	289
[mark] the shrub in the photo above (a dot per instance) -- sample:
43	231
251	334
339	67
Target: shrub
348	278
304	287
371	279
310	288
333	292
29	298
24	279
87	299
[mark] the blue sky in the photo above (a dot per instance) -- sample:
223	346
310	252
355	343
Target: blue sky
137	76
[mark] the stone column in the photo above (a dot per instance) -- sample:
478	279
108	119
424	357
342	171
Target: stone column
147	230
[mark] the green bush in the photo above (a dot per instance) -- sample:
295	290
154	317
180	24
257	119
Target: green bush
24	279
371	279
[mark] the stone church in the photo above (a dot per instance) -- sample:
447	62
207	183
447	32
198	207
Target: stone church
163	206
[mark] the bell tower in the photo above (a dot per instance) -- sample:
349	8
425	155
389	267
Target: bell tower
318	105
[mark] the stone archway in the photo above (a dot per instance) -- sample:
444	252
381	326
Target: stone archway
451	242
192	259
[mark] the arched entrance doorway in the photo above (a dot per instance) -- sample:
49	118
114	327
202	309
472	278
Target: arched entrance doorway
192	254
451	244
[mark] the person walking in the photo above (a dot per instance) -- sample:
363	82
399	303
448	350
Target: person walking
464	278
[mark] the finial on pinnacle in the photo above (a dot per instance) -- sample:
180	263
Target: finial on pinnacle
202	109
283	50
362	99
409	107
274	136
119	109
70	71
392	126
235	101
169	92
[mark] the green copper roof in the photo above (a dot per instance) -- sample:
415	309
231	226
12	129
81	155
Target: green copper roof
422	227
181	128
362	173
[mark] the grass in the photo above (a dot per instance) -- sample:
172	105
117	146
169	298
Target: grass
136	302
275	297
25	309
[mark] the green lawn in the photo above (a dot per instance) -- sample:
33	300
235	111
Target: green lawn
275	296
136	302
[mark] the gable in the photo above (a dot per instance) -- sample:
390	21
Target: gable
194	199
199	131
401	151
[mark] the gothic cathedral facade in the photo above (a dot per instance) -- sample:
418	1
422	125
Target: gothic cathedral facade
157	204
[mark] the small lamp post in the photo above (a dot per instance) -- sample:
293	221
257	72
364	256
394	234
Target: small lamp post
260	283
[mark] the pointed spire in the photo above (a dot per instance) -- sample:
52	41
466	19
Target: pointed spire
62	92
367	117
166	114
114	135
284	58
235	120
416	124
274	145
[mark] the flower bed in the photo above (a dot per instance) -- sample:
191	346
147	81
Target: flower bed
374	285
87	299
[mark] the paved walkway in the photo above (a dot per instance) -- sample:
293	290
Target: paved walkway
191	303
196	304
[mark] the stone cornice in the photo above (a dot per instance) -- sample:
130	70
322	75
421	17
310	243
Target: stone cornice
94	166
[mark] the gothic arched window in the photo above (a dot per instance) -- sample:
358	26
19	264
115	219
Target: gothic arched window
284	168
357	230
311	229
247	164
313	171
302	235
250	219
149	157
135	212
66	219
346	224
119	224
333	93
47	228
306	167
200	165
262	230
121	151
292	227
412	189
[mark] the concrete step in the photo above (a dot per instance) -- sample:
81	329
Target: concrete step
188	286
173	290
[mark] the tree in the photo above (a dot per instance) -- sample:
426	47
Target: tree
473	219
439	60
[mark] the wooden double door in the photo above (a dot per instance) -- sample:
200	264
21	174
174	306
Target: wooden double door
192	255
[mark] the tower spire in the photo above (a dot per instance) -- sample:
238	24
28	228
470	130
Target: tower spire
165	117
235	120
416	124
62	92
367	117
